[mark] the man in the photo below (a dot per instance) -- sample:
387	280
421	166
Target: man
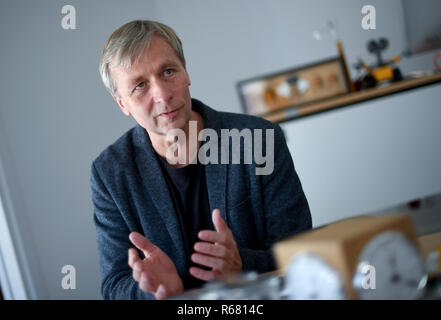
191	221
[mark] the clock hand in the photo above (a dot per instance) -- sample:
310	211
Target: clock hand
395	277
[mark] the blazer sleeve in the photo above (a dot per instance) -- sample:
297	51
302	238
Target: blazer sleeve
113	245
286	210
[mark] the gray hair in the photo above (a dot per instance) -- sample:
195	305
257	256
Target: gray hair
126	45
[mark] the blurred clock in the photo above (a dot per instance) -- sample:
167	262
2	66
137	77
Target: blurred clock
367	257
398	271
309	277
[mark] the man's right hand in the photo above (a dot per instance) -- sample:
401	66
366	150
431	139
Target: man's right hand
156	273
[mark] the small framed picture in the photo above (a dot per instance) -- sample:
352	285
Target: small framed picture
302	85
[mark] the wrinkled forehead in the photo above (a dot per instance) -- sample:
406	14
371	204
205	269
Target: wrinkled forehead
155	56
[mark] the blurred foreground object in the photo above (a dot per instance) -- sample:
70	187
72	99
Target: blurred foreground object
246	285
358	258
367	257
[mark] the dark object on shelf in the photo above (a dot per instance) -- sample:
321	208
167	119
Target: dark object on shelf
380	72
414	205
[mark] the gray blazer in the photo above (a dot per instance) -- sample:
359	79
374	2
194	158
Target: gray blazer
129	193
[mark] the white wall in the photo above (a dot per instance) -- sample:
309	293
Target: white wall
227	41
422	21
56	116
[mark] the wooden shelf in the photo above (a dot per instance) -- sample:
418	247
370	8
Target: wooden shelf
351	98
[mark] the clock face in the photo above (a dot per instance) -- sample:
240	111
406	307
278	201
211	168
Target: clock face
390	267
309	277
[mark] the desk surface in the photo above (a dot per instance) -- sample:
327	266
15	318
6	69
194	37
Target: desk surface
351	98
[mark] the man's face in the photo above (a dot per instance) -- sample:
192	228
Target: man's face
155	91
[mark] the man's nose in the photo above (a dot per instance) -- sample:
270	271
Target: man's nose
161	92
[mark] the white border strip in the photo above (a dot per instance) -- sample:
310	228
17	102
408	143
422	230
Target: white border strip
11	272
10	276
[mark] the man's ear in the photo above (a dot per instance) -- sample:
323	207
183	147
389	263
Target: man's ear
188	77
123	108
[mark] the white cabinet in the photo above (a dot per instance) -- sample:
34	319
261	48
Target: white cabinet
370	155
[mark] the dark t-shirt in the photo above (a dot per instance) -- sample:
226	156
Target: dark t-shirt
188	190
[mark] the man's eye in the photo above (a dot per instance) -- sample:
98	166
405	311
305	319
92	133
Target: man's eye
168	72
140	86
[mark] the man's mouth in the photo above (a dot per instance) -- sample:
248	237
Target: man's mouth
169	114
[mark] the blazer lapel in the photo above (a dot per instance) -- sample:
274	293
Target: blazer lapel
216	174
154	181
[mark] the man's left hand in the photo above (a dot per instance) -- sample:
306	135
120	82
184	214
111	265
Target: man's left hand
218	250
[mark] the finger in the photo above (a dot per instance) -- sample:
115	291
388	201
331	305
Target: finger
218	222
142	243
213	236
137	270
145	283
161	293
203	274
133	257
208	261
211	249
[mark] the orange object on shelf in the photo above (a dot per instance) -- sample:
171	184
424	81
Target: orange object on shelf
345	66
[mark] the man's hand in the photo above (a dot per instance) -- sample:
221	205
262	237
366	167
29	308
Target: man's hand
156	273
218	251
